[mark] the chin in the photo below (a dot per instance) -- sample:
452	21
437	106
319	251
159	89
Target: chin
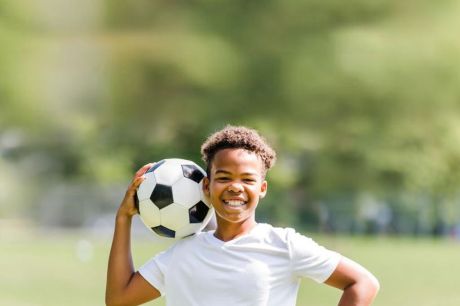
233	219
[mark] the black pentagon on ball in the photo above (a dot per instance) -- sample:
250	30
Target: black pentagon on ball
156	165
192	172
198	212
164	231
162	196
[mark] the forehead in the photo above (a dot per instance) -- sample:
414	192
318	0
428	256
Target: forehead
239	160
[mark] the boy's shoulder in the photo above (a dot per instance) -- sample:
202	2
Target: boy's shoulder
276	234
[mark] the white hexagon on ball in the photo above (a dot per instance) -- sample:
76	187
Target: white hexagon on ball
174	216
169	173
149	212
186	192
146	188
189	229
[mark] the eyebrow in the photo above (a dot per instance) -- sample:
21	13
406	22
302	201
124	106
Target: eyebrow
227	172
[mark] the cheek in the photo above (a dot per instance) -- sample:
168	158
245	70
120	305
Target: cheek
211	189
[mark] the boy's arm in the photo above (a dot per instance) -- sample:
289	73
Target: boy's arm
359	286
124	285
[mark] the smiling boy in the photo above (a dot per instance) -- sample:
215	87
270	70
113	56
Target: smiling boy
242	262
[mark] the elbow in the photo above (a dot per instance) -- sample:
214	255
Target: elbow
109	299
375	283
373	286
113	301
110	302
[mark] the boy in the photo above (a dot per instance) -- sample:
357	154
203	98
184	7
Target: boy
242	262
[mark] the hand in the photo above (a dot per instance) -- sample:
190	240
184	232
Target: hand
128	205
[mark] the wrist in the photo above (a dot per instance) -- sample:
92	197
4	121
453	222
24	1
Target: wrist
123	218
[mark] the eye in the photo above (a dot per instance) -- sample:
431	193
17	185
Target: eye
249	180
222	179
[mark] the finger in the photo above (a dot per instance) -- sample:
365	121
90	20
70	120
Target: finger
135	184
144	169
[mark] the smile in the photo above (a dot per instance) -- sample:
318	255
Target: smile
234	203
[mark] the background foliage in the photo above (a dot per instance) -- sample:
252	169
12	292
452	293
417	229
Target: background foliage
360	99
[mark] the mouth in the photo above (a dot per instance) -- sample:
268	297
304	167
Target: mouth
234	203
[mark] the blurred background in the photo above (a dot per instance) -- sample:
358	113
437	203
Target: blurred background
361	100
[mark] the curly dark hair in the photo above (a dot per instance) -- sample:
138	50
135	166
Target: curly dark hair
238	137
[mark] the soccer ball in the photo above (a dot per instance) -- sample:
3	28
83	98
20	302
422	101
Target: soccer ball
170	199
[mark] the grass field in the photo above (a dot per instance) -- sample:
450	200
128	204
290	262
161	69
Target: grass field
69	269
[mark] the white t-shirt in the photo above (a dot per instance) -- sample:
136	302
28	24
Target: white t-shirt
261	268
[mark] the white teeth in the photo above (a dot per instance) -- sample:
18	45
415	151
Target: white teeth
234	203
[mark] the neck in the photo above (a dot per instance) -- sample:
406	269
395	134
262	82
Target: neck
227	231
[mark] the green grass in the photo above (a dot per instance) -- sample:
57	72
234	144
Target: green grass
46	270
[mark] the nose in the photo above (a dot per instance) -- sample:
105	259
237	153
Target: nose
235	187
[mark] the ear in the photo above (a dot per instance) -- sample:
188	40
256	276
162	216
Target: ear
206	186
263	189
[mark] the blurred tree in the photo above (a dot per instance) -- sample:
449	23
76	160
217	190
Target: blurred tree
358	98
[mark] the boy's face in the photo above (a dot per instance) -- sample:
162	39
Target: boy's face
235	185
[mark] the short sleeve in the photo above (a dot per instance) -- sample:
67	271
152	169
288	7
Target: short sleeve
154	270
310	259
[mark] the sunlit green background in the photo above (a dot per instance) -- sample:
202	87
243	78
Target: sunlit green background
361	100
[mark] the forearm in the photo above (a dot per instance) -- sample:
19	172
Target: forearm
120	266
359	294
